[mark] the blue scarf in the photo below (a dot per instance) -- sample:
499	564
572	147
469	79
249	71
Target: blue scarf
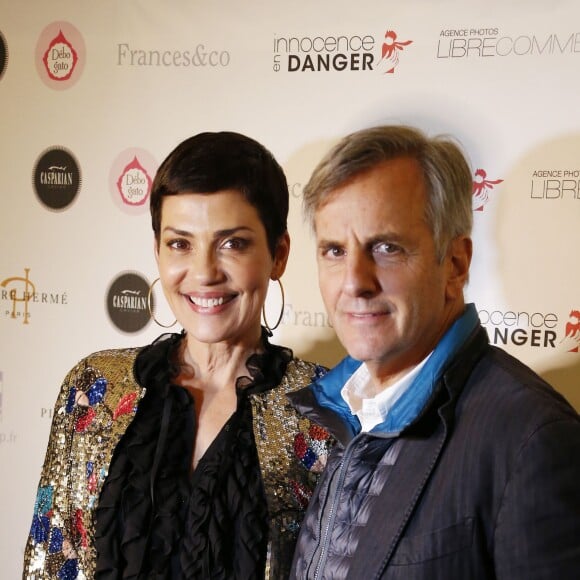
410	404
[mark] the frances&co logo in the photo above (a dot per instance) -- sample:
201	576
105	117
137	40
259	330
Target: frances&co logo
348	53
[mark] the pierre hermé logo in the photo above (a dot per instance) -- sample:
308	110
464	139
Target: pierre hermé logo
543	330
485	42
60	55
349	52
127	302
131	178
3	55
482	187
56	178
19	295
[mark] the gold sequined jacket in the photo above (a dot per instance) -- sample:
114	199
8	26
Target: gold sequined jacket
97	402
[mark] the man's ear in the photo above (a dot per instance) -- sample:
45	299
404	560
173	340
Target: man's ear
281	256
458	259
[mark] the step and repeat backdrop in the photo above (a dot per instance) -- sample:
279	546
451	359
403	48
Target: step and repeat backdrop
95	95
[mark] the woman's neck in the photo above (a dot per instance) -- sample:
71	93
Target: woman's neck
218	365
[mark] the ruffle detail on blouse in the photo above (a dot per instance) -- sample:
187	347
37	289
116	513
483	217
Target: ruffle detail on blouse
154	520
138	521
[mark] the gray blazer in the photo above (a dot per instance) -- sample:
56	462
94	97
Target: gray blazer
484	484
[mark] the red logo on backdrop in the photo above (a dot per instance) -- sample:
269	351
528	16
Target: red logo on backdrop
60	59
134	184
573	330
481	189
60	55
390	51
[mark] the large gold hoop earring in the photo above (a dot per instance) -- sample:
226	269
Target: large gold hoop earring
151	309
270	329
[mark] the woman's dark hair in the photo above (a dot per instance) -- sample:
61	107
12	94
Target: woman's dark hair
211	162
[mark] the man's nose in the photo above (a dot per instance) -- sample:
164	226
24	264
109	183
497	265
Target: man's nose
360	274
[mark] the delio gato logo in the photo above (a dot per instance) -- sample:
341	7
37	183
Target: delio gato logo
130	180
57	178
482	186
3	55
350	52
18	293
127	302
60	55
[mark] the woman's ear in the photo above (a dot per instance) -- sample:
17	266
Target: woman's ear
156	249
281	256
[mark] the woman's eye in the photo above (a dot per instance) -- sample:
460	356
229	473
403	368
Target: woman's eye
235	244
178	244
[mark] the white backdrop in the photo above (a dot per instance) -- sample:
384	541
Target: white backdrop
112	87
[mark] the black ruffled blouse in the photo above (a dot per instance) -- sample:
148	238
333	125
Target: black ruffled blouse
155	518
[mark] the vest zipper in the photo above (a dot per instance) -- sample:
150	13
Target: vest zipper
334	494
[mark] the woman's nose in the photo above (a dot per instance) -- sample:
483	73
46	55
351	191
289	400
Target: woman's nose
206	267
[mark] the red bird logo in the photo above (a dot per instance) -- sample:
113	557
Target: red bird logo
573	330
390	52
481	188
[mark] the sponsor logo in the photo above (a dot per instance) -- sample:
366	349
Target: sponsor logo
60	55
130	180
482	187
475	42
391	49
198	57
294	317
555	184
7	438
17	293
46	413
532	329
127	302
572	334
3	55
357	52
56	178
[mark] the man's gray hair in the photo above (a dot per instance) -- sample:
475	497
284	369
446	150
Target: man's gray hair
445	169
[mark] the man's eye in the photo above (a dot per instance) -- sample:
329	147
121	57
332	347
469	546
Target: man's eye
385	248
332	252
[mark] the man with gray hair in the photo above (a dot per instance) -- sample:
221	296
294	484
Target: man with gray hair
453	460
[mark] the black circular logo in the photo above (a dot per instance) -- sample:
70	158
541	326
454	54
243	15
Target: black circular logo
3	55
127	302
57	178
